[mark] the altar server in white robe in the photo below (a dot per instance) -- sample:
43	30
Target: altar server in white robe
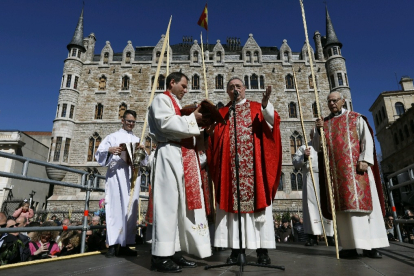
176	181
353	163
311	218
121	225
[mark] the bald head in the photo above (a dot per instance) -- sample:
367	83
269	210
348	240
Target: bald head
21	221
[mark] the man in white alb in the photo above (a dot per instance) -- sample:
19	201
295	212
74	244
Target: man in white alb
121	225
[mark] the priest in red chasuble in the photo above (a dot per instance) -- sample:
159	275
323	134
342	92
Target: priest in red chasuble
359	201
260	159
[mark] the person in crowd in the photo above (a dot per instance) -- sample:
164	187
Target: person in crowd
299	234
43	245
23	211
389	226
259	150
66	222
121	222
31	234
178	203
93	241
359	201
13	246
71	243
284	232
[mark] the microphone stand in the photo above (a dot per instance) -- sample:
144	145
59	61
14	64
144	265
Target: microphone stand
241	258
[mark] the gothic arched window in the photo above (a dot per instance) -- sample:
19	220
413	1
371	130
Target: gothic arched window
281	182
262	84
295	142
58	147
296	181
219	82
94	142
246	82
125	83
99	111
157	57
340	80
195	82
254	82
106	58
399	108
292	110
289	82
122	108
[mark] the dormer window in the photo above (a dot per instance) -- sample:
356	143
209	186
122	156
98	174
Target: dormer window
157	57
74	50
248	57
195	57
256	57
218	57
128	58
106	58
286	56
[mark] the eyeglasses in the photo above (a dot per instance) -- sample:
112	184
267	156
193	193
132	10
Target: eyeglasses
11	226
334	101
45	236
130	122
17	224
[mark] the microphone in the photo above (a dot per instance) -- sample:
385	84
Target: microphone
236	94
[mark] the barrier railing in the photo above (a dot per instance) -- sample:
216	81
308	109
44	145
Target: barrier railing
89	183
409	170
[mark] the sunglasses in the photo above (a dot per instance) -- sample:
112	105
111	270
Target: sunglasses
11	226
3	225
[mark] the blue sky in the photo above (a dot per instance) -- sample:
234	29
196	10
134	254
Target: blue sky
377	41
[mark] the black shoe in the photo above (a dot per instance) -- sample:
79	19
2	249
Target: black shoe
111	252
262	256
126	251
164	264
311	242
331	241
348	254
233	256
183	262
373	253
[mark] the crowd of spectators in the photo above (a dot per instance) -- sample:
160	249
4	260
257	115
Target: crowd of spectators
406	229
290	229
34	245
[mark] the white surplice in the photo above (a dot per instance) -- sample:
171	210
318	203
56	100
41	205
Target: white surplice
311	218
257	228
169	198
121	226
360	230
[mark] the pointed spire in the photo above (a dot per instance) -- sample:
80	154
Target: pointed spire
77	39
330	32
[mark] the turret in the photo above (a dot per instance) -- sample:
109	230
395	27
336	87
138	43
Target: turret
335	62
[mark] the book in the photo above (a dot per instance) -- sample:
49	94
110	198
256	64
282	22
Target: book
209	111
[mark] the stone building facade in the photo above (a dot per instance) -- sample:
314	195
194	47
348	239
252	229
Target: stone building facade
97	88
393	113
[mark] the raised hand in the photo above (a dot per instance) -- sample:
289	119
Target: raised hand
266	96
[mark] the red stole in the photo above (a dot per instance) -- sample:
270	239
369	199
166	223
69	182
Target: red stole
267	160
352	191
191	166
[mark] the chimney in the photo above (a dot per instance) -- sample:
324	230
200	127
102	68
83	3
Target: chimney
406	83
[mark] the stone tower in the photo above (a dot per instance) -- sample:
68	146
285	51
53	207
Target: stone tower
64	124
335	62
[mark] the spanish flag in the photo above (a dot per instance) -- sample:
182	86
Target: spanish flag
203	21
